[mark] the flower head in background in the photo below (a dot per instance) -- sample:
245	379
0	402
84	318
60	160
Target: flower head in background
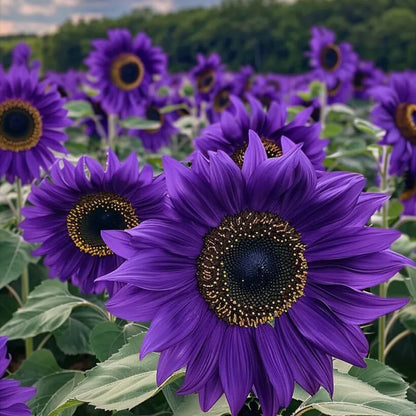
242	80
70	210
32	118
21	54
123	68
231	133
68	83
331	62
12	396
366	76
340	92
265	91
154	139
254	279
221	100
206	74
396	113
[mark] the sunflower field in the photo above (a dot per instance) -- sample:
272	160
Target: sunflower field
207	242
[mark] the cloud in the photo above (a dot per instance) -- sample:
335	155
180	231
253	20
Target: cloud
6	27
86	17
27	9
160	6
67	3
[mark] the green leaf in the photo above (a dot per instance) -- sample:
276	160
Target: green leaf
404	245
106	339
382	377
331	130
14	256
369	128
395	209
316	88
48	307
356	397
8	306
408	317
342	109
41	363
173	107
189	405
74	335
122	381
79	109
137	123
52	391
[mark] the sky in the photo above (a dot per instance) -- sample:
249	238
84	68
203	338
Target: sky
44	16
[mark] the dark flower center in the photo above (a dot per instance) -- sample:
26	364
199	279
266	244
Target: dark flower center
316	112
358	80
94	213
406	121
222	100
20	125
205	81
330	57
272	150
333	91
153	114
274	83
409	187
127	71
251	268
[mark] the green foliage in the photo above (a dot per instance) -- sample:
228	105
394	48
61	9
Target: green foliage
246	31
48	307
14	256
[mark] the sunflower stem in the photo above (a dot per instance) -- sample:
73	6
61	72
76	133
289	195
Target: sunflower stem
396	339
112	120
323	99
25	271
385	224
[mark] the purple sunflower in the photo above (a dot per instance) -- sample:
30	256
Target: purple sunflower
154	139
340	92
331	62
253	280
265	91
232	132
21	54
12	395
70	210
68	83
32	118
123	69
396	113
221	99
366	76
243	79
206	74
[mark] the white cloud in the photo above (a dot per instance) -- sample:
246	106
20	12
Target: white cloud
6	27
67	3
160	6
28	9
86	17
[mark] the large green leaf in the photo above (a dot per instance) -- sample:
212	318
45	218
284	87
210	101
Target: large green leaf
382	377
52	391
137	123
189	405
48	307
41	363
14	256
73	336
79	109
353	396
121	382
106	339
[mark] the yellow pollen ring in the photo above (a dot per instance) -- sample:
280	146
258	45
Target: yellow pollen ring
405	121
334	48
201	81
272	150
213	277
18	145
222	95
116	66
88	204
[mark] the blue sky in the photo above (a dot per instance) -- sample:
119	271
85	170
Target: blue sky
44	16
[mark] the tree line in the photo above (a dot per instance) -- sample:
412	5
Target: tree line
269	35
